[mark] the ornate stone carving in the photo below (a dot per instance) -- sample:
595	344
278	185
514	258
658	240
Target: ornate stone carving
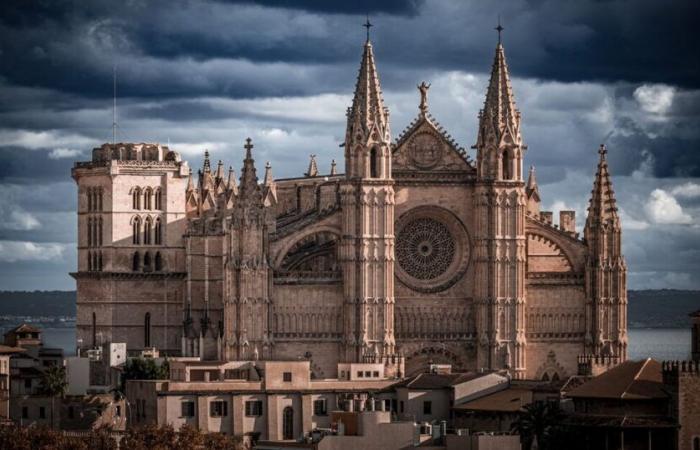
432	249
425	150
425	248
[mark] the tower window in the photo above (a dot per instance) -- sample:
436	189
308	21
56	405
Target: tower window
136	231
159	199
147	230
507	166
159	262
94	329
147	196
99	232
136	198
89	233
373	163
136	262
147	262
158	232
147	330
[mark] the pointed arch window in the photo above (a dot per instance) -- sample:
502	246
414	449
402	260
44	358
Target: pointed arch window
147	330
147	197
89	232
373	163
99	232
89	199
94	329
545	377
136	230
159	199
136	198
507	166
136	262
89	261
99	261
99	199
147	231
158	262
147	262
158	231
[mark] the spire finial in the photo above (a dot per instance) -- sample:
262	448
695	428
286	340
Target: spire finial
333	168
423	88
368	25
602	151
248	148
499	28
207	164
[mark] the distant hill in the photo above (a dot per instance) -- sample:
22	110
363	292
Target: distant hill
664	308
661	308
37	303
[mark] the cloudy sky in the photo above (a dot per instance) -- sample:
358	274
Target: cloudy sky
207	74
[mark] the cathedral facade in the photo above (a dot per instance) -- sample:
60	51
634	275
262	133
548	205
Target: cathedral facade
416	254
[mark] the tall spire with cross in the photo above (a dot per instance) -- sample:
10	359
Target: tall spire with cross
368	25
249	178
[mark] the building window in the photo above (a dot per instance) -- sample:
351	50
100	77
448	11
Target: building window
147	230
158	262
147	330
159	199
375	374
218	408
25	412
320	407
136	230
71	412
146	262
359	374
187	409
42	412
94	330
136	198
287	377
427	408
158	232
253	408
401	406
373	166
696	443
507	166
147	195
118	411
136	262
368	374
99	233
28	383
288	423
89	232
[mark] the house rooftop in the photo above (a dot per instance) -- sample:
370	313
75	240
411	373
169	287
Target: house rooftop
631	380
507	400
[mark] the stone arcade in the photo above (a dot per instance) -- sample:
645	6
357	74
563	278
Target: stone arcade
415	254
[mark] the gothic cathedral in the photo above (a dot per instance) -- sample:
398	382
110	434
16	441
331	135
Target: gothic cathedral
415	255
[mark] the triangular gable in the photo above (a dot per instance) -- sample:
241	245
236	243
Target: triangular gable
425	146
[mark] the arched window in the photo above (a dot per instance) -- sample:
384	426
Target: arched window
159	199
89	261
99	200
147	262
136	262
696	443
147	230
507	166
99	232
147	198
94	330
136	231
136	198
159	262
555	377
147	330
545	377
373	166
89	199
158	232
99	261
89	232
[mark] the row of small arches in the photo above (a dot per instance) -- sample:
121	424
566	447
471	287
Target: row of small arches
145	198
148	262
555	323
152	232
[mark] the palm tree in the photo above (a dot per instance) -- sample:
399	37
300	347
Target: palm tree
54	384
536	423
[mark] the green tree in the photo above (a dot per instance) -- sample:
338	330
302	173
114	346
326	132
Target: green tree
537	421
145	369
54	384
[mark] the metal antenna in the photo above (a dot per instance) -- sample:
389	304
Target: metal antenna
114	108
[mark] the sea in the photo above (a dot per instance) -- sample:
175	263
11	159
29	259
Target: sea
657	343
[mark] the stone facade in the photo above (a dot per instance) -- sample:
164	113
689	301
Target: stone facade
416	254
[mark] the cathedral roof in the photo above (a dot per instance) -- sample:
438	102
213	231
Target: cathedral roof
499	118
602	207
368	112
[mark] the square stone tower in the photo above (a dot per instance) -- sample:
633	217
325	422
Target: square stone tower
131	218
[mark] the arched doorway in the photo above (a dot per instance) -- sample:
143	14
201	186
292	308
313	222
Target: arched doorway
288	423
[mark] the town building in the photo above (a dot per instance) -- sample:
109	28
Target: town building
415	255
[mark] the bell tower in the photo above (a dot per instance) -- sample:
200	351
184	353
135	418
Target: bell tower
500	246
367	202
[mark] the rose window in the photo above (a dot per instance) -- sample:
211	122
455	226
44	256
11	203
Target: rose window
425	248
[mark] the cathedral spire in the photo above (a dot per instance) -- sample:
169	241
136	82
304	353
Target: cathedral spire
249	179
231	183
313	167
368	110
269	180
499	143
207	165
219	171
531	182
334	171
602	208
190	183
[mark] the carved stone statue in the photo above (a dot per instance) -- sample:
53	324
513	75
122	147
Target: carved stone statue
423	88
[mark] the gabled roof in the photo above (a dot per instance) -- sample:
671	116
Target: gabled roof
507	400
631	380
428	381
24	328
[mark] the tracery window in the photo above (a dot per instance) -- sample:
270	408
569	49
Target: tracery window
147	262
159	199
136	262
136	230
136	198
506	166
89	232
158	262
373	172
99	232
147	197
147	231
425	248
158	232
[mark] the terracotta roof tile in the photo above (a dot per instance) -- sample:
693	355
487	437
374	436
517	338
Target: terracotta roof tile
631	380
